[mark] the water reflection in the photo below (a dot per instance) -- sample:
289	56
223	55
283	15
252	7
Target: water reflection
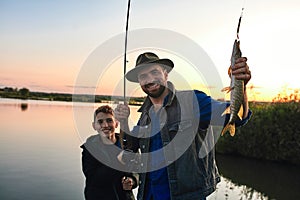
39	152
273	180
229	190
24	106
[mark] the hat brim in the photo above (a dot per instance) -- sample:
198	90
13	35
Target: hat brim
132	74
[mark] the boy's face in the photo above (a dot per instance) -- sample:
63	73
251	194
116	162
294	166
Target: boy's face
105	124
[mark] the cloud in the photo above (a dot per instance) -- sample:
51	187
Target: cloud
81	87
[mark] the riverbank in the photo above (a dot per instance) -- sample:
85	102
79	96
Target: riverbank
24	93
273	133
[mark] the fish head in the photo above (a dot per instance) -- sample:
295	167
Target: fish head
236	52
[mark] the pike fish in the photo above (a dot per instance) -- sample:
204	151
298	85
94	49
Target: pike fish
236	90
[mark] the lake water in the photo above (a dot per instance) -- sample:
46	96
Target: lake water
40	157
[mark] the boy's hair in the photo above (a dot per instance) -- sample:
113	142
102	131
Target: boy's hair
105	109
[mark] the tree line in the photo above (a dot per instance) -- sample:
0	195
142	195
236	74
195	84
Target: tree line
25	93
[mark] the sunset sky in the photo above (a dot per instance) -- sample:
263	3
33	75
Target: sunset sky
44	45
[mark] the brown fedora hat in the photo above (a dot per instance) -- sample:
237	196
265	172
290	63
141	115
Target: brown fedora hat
145	60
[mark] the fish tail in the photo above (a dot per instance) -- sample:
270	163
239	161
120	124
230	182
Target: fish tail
230	128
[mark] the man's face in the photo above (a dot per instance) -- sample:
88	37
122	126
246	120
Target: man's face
153	80
105	124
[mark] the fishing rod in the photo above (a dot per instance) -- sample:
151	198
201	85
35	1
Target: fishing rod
122	134
125	50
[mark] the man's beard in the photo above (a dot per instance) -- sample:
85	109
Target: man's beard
156	94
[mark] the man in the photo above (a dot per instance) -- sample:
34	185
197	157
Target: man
100	164
185	169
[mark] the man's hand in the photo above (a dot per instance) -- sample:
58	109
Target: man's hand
122	112
241	70
127	183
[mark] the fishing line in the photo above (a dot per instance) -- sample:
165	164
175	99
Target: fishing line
239	24
240	19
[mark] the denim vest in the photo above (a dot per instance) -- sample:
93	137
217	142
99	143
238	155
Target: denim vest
191	176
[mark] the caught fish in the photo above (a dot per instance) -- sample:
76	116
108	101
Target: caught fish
236	90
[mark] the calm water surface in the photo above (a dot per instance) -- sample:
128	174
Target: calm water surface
40	157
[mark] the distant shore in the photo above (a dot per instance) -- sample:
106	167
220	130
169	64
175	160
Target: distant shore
24	93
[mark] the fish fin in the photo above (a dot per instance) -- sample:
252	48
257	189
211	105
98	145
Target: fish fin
241	112
226	111
227	89
229	71
230	128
